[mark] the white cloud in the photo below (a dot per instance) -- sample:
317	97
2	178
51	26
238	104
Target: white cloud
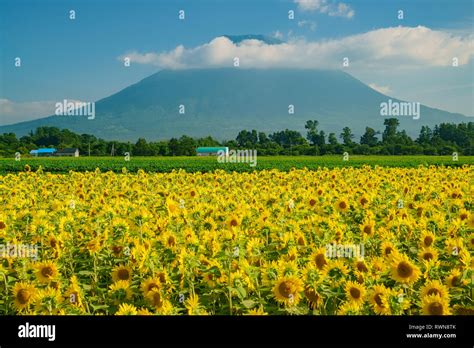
310	24
278	35
388	48
330	8
14	112
382	89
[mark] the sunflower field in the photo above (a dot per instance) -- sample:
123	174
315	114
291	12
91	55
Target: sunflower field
228	243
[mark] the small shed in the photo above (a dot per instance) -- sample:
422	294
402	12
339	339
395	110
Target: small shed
211	151
71	152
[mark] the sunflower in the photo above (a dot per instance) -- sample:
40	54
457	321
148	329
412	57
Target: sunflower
428	254
144	311
464	215
434	287
233	222
94	245
46	271
121	272
348	308
127	309
319	258
287	290
163	277
403	270
367	228
172	207
361	266
193	306
169	240
313	297
454	279
257	311
355	293
23	294
427	239
388	249
335	271
363	201
470	221
471	241
210	279
150	284
48	300
342	205
155	298
435	305
120	291
379	299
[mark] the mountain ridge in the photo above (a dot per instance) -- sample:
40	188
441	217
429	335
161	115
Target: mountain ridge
222	101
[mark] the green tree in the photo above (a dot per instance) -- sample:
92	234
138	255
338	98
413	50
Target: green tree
347	136
370	137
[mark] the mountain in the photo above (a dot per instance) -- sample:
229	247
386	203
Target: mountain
221	102
263	38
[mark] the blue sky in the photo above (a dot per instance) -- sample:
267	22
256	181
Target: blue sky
81	59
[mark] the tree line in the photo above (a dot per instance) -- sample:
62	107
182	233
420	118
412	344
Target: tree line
443	139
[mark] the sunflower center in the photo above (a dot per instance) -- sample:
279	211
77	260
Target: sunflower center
320	261
312	202
388	250
47	272
364	201
23	296
285	289
455	281
2	225
233	222
427	256
116	249
151	287
123	274
355	293
378	300
342	205
311	295
428	240
367	229
362	267
157	300
435	308
162	277
404	269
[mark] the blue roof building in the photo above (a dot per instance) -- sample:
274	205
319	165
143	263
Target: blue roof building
211	151
43	152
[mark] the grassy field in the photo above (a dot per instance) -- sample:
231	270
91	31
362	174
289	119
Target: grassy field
206	164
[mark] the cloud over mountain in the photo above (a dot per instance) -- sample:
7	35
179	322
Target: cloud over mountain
386	48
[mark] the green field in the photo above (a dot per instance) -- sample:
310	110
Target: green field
206	164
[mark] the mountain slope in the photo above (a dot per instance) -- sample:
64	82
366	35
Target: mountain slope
221	102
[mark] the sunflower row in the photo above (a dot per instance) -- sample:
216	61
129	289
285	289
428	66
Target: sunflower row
238	243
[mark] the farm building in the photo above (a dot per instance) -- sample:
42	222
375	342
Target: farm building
43	152
72	152
211	151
